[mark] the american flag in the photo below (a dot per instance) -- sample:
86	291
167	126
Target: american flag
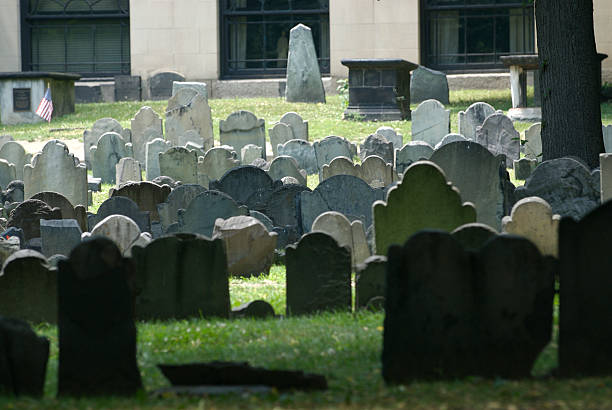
45	108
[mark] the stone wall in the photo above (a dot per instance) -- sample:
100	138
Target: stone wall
10	46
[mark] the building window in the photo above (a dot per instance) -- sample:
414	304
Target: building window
255	35
473	34
89	37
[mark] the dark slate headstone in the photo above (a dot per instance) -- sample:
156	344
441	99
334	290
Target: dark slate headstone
203	210
256	309
569	187
524	167
376	144
181	276
318	275
146	195
14	192
452	313
346	194
23	359
179	198
97	334
426	84
127	88
473	236
585	338
59	236
160	85
57	200
283	210
121	205
28	289
370	281
247	185
28	214
263	219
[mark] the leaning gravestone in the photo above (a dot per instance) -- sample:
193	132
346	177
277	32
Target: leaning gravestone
299	127
349	195
472	118
188	119
118	228
200	215
23	359
585	346
28	289
481	178
283	166
55	169
303	152
247	185
392	136
450	312
533	142
430	122
97	334
318	275
242	128
59	236
346	233
179	198
146	126
152	151
145	194
331	147
279	134
423	200
283	211
14	153
27	216
107	152
181	276
8	173
120	205
180	164
160	85
370	282
376	144
411	152
127	170
497	134
100	127
215	163
568	186
426	84
304	82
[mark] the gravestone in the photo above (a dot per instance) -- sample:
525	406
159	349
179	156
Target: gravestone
267	222
423	200
370	282
100	127
282	209
250	153
452	313
585	346
448	138
481	178
120	229
242	128
247	185
9	244
67	211
215	163
120	205
303	152
152	151
376	144
28	289
472	118
533	142
59	236
13	192
181	164
181	276
146	126
348	234
165	180
349	195
473	236
524	167
107	152
249	247
23	359
14	153
8	173
283	166
55	169
497	134
97	334
331	147
27	216
426	84
299	127
374	170
256	309
145	194
188	119
179	198
392	136
201	88
607	137
160	84
318	275
411	152
203	210
605	165
127	170
568	186
279	134
430	122
304	82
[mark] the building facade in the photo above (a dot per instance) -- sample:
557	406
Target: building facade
235	39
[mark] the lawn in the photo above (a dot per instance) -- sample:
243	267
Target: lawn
345	347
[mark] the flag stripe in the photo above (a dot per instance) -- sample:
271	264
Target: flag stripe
45	108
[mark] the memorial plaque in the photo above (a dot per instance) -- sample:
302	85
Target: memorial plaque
22	99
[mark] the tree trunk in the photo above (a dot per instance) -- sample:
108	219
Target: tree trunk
571	114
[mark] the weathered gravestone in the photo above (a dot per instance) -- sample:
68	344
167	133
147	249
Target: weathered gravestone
392	136
201	88
349	195
146	126
28	289
215	163
55	169
411	152
472	118
160	84
118	228
283	166
179	198
299	127
181	276
283	210
152	151
13	192
100	127
15	154
279	134
424	199
430	122
203	210
370	283
452	313
127	170
524	167
267	222
426	84
376	144
568	186
304	82
249	247
448	138
256	309
607	137
331	147
8	173
145	194
497	134
97	334
250	153
242	128
473	236
67	211
27	216
481	178
374	170
346	233
59	236
188	119
165	180
533	142
605	166
121	205
9	244
107	152
247	185
318	275
181	164
303	152
23	359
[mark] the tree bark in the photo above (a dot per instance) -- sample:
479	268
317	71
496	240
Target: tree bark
569	83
